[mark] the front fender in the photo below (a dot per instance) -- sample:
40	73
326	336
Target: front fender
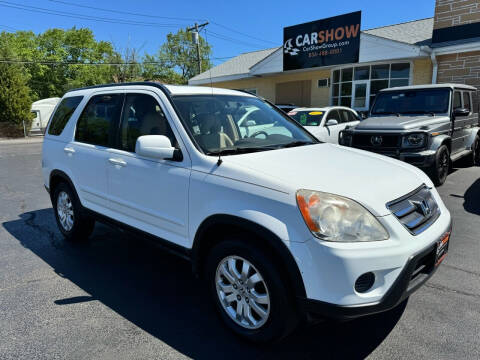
437	141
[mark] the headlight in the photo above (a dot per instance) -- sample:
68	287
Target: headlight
335	218
344	138
414	140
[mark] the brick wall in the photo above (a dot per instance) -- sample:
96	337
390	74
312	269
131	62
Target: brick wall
461	68
456	12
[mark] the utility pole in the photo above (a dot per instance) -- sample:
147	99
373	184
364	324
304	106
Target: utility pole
196	40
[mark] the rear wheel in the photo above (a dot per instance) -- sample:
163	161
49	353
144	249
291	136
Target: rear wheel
441	166
71	221
249	292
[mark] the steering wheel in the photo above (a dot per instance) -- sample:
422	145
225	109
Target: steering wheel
261	132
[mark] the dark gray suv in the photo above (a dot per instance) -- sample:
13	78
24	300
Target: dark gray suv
425	125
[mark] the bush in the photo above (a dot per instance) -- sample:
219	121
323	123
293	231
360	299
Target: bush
9	130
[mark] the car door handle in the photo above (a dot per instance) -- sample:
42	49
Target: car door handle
119	162
69	150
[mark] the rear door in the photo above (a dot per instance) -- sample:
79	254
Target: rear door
148	194
458	133
87	154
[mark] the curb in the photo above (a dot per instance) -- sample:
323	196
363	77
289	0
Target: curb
35	140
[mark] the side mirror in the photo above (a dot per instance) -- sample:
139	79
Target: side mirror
250	123
331	122
155	146
461	112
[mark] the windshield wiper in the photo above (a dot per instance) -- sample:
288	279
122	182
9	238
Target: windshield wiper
419	112
240	150
295	143
386	113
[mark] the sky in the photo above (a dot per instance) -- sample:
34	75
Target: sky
234	26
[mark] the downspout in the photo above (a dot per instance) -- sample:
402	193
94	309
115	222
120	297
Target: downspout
434	62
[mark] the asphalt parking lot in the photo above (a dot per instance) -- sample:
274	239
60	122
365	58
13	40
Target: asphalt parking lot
117	297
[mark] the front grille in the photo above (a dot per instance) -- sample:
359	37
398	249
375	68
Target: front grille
416	211
381	141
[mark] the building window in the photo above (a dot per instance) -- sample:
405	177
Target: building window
378	77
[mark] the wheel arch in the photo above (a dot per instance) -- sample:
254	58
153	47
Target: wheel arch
206	237
442	140
58	176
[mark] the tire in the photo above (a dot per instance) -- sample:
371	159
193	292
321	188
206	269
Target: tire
270	317
71	221
475	157
441	166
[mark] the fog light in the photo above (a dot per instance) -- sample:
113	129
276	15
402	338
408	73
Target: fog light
364	282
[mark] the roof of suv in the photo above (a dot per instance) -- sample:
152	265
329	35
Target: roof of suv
433	86
168	89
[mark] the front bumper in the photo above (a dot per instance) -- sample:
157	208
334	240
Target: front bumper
421	159
418	269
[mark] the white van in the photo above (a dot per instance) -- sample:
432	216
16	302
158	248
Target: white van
43	110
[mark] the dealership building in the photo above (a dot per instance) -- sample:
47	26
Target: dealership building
328	62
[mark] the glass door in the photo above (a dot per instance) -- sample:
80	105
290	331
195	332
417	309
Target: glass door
361	95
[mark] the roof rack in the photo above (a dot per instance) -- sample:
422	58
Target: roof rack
145	83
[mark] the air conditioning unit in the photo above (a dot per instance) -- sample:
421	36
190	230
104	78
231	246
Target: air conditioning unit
323	82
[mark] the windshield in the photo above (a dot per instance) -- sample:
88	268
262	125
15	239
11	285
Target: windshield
427	101
222	124
307	117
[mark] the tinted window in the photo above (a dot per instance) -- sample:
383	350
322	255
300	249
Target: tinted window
142	115
333	115
411	102
352	116
457	100
466	100
63	113
97	123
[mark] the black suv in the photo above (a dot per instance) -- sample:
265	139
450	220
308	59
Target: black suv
428	126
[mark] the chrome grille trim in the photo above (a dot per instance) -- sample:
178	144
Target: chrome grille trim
416	211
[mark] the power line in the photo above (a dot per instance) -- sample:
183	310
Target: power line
125	12
236	41
241	33
46	62
9	27
36	9
162	17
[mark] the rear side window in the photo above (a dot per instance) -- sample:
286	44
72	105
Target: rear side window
63	113
98	121
466	100
457	100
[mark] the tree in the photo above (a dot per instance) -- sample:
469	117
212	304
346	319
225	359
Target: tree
15	100
55	53
179	55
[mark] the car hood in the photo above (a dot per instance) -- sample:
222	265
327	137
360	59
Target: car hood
371	179
399	122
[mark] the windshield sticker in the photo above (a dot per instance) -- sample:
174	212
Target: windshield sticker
303	119
315	113
292	113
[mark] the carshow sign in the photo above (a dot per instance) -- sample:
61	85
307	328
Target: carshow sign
325	42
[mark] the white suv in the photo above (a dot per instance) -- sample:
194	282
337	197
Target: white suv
280	226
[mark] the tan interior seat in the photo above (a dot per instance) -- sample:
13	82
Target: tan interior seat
212	137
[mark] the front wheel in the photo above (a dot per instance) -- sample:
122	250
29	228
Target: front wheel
248	292
441	166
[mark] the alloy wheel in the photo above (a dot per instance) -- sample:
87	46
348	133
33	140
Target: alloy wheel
65	211
242	292
443	165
